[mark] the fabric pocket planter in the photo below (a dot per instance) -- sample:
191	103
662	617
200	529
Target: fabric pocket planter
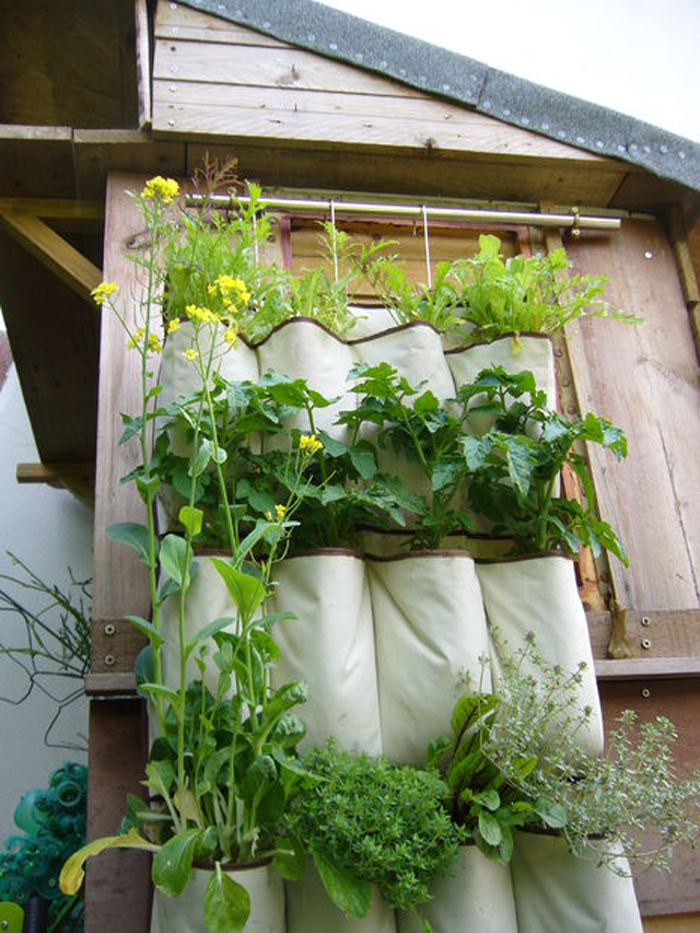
330	645
557	891
185	914
536	356
303	349
476	895
207	599
310	910
430	630
538	594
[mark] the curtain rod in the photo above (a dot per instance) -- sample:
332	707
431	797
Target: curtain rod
574	220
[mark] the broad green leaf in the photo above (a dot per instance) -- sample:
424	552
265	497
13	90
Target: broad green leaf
134	536
175	559
144	669
217	454
489	799
350	894
520	463
173	863
251	539
290	858
165	692
363	459
552	814
147	629
226	904
72	873
331	446
247	591
211	629
191	520
490	828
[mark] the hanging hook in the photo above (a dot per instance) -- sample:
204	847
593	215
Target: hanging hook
426	240
334	240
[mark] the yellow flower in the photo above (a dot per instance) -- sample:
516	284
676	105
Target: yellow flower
154	344
310	443
174	325
279	511
201	315
103	291
163	189
229	286
190	355
231	336
136	338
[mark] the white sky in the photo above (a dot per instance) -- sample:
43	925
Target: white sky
636	56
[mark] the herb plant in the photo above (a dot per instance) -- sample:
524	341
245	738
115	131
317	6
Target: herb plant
602	804
525	294
515	466
366	822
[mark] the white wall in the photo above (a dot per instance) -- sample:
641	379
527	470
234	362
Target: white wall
49	530
635	56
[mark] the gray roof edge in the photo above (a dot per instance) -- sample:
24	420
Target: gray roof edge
463	80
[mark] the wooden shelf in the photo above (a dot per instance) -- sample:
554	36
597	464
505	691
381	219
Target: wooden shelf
648	669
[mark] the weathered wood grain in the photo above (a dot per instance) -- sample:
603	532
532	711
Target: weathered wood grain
646	380
650	633
174	21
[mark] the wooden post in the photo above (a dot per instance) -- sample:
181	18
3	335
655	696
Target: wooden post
118	883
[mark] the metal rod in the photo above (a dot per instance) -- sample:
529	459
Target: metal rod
466	215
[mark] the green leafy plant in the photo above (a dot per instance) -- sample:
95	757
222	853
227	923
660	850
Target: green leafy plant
224	767
480	798
524	293
55	651
366	822
413	423
436	304
603	804
515	466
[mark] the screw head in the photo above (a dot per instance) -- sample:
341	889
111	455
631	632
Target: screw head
646	692
109	629
646	621
646	644
110	660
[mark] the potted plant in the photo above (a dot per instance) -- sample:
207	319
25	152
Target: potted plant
599	804
368	825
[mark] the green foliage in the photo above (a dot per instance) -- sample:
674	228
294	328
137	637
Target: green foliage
524	294
515	466
54	650
480	799
600	805
375	823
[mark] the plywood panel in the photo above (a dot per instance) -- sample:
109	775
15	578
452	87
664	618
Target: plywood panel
174	21
645	380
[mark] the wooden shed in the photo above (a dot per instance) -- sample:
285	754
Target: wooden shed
315	104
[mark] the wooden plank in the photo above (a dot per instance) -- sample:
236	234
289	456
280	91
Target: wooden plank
678	892
412	171
266	67
99	152
351	122
648	669
672	923
650	633
118	888
115	646
686	272
78	478
54	252
143	63
58	373
36	163
54	208
383	117
646	380
109	685
174	21
121	585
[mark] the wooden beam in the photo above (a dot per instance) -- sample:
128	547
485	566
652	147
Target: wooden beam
77	478
54	252
53	208
678	236
119	684
648	669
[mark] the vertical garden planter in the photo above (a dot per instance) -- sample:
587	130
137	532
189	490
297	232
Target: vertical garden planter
310	910
330	645
185	914
538	594
303	349
556	891
477	895
207	599
430	630
536	355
